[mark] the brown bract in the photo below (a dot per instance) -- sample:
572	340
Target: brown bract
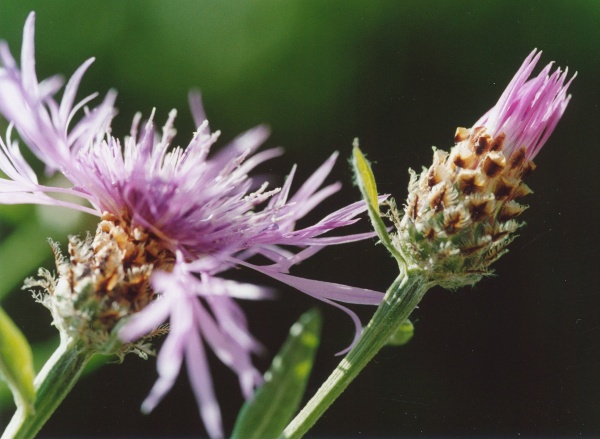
121	261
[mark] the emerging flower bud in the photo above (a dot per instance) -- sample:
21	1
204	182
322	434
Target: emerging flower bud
461	212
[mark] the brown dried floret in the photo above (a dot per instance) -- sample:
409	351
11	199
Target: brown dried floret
493	164
461	134
469	181
505	186
482	144
517	158
498	142
480	207
510	210
455	219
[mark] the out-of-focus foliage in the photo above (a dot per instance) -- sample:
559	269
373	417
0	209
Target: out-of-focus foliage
16	363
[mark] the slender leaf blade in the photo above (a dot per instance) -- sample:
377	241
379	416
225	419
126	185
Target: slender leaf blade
276	402
16	362
365	178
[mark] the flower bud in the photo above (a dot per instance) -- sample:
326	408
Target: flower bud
461	212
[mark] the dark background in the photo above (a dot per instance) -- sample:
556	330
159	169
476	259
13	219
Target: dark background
517	355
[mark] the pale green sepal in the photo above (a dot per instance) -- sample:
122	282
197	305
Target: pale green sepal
403	334
16	363
368	188
277	401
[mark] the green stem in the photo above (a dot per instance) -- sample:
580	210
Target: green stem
400	300
52	384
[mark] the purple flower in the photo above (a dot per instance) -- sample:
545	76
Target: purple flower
192	214
528	110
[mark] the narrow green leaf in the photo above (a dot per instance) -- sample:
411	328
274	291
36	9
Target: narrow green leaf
274	404
368	188
16	363
41	352
365	177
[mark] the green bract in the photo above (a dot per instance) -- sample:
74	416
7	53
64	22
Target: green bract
368	188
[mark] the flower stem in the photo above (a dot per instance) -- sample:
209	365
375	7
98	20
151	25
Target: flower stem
52	384
400	300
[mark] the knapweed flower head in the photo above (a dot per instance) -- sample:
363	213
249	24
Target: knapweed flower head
461	212
172	220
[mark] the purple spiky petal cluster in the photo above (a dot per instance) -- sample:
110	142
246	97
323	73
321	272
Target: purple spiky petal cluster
200	207
529	109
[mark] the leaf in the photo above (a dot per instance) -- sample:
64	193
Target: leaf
276	402
366	183
365	178
16	363
41	352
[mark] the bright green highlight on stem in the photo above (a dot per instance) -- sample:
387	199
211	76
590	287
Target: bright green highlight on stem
16	363
403	334
400	300
52	384
41	352
390	322
274	404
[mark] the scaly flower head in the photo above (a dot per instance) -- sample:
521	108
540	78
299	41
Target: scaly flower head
461	212
172	221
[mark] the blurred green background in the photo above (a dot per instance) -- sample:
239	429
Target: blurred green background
519	354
